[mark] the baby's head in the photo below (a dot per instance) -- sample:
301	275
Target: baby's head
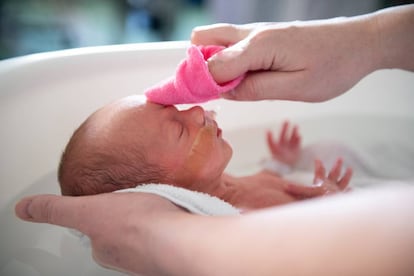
100	157
130	142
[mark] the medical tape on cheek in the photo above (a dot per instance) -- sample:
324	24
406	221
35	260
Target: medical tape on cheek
201	146
194	162
198	155
204	134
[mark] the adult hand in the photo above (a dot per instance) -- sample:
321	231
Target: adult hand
118	225
308	61
144	234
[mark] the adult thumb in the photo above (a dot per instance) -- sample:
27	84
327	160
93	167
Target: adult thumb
52	209
228	64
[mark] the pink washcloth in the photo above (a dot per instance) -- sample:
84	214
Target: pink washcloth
192	82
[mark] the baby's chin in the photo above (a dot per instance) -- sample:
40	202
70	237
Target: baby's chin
227	148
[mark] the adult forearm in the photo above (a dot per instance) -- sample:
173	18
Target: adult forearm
357	234
395	28
368	233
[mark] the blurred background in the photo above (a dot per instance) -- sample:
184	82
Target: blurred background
33	26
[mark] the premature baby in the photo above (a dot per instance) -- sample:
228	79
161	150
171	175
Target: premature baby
131	142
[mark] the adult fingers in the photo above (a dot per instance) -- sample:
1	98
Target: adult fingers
273	85
53	209
246	52
241	55
219	34
229	63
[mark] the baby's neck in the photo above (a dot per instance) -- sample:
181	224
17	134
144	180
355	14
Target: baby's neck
218	187
222	187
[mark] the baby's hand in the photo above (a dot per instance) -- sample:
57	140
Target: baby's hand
287	149
322	184
334	182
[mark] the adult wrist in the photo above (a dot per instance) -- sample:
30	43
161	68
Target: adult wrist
393	27
366	43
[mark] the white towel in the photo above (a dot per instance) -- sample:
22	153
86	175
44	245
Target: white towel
195	202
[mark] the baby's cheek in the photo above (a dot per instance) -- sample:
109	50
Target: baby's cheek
198	156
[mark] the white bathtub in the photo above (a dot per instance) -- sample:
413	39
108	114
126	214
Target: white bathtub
44	97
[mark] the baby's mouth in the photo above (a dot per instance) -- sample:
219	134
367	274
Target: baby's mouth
210	114
209	117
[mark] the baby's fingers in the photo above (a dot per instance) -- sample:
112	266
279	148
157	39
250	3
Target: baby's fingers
273	146
336	170
283	133
295	138
319	172
344	181
303	192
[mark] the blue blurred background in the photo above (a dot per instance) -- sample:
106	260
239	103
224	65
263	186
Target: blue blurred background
33	26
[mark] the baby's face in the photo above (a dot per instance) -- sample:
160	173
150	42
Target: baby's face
187	143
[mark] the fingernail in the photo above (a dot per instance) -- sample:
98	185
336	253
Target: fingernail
22	209
229	94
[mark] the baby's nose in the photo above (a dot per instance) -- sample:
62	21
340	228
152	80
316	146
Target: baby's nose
196	115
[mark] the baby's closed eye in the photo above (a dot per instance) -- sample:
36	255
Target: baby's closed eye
179	129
